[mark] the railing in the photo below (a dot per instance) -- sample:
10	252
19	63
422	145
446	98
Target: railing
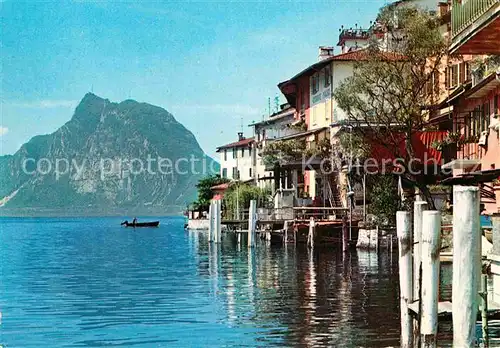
463	15
352	34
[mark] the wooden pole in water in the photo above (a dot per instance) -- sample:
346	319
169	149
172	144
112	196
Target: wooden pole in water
285	232
295	230
466	264
211	222
418	208
251	223
345	235
218	233
484	310
310	236
403	227
431	244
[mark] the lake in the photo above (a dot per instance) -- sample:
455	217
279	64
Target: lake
88	282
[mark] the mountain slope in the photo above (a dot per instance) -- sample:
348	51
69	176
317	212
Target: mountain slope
99	154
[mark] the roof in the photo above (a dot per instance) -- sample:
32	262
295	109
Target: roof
357	55
219	187
240	143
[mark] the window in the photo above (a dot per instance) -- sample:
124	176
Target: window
327	77
454	76
224	172
315	83
235	153
225	154
486	117
462	73
236	173
446	78
303	101
242	152
468	75
250	172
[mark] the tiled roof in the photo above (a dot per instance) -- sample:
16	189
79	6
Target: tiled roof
240	143
357	55
220	186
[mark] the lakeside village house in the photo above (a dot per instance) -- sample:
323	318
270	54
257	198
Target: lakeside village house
468	105
464	117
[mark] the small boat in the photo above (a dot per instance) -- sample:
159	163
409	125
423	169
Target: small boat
140	224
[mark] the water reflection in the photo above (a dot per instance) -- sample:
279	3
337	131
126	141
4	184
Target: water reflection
89	282
308	297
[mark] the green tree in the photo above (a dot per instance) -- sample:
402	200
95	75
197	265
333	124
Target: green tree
385	98
237	198
205	193
385	201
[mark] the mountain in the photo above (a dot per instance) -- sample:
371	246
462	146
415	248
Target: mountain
110	158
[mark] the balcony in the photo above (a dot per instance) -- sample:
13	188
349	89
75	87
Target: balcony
353	35
475	27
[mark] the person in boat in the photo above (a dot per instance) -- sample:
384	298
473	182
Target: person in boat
134	221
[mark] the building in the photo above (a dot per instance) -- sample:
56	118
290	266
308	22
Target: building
475	30
278	126
237	159
474	101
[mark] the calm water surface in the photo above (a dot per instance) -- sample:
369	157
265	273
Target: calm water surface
89	283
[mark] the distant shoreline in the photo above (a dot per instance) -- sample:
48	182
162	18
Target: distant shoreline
72	212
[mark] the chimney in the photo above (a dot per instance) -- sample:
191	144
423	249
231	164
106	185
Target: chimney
325	52
240	136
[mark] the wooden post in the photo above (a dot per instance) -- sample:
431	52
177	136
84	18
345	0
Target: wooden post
431	244
345	235
218	232
251	223
295	230
391	240
268	236
310	236
418	209
285	232
484	310
403	227
211	222
238	237
466	264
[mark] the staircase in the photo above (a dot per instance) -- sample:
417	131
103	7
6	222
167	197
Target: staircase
333	191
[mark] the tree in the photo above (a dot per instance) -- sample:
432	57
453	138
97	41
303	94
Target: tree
237	198
386	97
205	192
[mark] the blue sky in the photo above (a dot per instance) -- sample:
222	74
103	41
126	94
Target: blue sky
209	63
